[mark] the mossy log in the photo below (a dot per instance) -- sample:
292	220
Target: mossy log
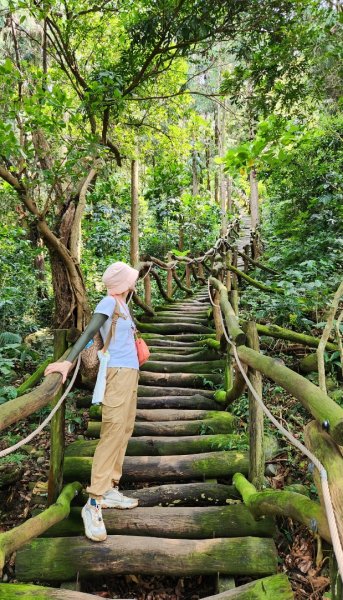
233	326
158	280
254	282
163	414
330	455
139	302
177	318
309	363
60	559
164	446
174	311
19	408
195	367
284	504
275	587
224	423
196	401
9	474
190	380
180	494
13	539
257	264
182	339
15	591
203	357
166	468
146	390
282	333
321	406
173	328
178	522
32	380
180	285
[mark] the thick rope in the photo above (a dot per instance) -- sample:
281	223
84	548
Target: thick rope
336	542
48	418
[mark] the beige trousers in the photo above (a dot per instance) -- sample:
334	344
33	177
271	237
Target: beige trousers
118	418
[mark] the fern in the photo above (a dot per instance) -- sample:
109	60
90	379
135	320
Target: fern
7	338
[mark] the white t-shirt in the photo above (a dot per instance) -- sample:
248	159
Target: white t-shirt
122	350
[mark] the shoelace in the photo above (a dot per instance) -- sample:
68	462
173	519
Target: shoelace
96	514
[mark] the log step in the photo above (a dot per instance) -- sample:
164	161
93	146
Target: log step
169	328
164	414
195	401
166	468
224	423
173	367
187	380
146	390
61	559
164	446
179	494
178	523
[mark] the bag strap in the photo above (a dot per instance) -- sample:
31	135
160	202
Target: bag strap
111	333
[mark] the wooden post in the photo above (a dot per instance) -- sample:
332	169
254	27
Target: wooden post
188	276
256	426
169	278
201	272
134	246
216	316
57	428
246	249
147	290
234	300
228	273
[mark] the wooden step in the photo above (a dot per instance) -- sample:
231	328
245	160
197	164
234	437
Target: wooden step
166	468
194	367
145	390
200	355
177	328
164	445
195	401
225	423
187	380
179	494
183	402
178	523
163	414
63	559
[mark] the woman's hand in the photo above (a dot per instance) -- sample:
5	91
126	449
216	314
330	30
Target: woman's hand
59	367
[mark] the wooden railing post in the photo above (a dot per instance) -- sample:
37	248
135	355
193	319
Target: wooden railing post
228	273
57	440
246	249
188	276
169	279
147	290
256	418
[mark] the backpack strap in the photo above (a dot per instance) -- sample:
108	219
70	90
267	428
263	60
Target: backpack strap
111	333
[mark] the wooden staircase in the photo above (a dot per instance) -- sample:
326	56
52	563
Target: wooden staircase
187	522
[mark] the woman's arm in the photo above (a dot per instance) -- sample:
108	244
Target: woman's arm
97	320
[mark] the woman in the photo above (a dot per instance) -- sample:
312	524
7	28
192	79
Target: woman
120	399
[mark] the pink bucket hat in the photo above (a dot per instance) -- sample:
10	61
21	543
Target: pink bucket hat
119	277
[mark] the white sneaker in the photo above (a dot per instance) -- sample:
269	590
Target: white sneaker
113	498
94	525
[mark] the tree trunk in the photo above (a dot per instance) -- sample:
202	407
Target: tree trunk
134	246
60	559
254	207
195	182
